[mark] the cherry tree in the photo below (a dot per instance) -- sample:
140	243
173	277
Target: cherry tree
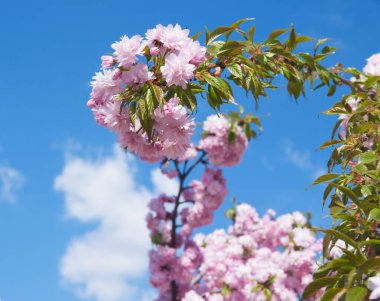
148	92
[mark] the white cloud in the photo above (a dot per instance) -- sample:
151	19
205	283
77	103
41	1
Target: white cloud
11	180
163	184
106	262
303	160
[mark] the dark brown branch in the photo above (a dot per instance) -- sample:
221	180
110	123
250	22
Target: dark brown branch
173	242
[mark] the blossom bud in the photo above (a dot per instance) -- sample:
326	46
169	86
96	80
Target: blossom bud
154	51
107	61
91	103
117	74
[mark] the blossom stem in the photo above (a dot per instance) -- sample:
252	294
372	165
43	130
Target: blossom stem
173	242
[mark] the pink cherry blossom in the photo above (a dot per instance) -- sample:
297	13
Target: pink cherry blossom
194	52
127	49
177	70
114	118
220	150
137	76
374	286
104	87
174	127
373	65
174	37
155	35
107	61
246	266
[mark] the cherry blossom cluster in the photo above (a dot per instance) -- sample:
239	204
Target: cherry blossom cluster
173	59
168	266
221	150
256	259
206	197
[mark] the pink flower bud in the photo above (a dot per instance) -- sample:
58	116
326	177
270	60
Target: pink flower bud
117	74
154	51
91	103
171	174
107	61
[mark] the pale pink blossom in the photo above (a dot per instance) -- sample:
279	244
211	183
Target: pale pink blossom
104	87
194	52
192	296
246	265
127	49
177	70
373	65
139	144
220	150
174	127
189	154
114	118
155	35
107	61
174	37
137	76
374	287
154	51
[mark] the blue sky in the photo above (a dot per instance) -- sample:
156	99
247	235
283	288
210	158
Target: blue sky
50	50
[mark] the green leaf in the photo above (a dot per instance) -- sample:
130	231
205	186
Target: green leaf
133	112
301	39
241	21
214	47
371	81
251	32
157	239
232	132
370	242
325	178
158	94
196	35
226	290
319	43
231	48
187	98
330	143
327	192
368	157
207	35
219	84
317	284
195	88
292	43
149	102
357	293
235	70
226	30
372	264
339	235
332	90
328	49
332	293
213	98
276	33
332	265
347	192
375	214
